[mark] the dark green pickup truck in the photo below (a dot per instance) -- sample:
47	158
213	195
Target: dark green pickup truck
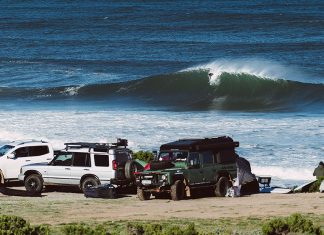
189	164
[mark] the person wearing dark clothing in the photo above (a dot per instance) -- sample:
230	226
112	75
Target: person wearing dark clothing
319	170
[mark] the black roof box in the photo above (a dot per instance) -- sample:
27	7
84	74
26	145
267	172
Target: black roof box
201	144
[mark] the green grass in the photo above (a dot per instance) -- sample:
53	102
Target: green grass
299	224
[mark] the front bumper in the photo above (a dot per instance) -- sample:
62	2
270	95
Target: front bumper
151	181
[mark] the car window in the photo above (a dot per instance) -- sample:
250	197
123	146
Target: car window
63	159
21	152
38	150
226	156
4	149
194	159
81	159
101	160
173	156
207	157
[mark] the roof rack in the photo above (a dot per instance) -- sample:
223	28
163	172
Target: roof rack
98	146
20	142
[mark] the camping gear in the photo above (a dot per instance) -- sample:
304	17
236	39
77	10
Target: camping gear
246	179
101	191
264	180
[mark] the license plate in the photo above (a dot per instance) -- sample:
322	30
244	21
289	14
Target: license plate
146	182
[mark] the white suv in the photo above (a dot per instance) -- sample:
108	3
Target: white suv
83	165
18	153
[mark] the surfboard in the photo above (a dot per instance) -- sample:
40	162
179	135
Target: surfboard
304	187
275	190
281	190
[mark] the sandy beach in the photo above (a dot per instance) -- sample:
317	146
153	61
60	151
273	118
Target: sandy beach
66	207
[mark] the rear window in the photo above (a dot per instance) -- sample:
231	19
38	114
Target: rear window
101	160
226	156
81	159
38	150
207	157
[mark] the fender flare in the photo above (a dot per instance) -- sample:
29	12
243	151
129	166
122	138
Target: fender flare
179	177
87	175
222	174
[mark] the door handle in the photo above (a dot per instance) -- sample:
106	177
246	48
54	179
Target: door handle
86	169
48	158
27	160
67	168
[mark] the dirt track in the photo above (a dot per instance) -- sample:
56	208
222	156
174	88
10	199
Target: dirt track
65	207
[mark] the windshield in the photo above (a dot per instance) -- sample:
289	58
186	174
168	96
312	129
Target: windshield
4	149
173	156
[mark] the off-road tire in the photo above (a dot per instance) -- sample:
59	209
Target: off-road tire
177	190
130	169
222	186
89	182
143	195
34	183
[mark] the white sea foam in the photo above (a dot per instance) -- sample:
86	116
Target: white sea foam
8	136
284	173
285	146
71	91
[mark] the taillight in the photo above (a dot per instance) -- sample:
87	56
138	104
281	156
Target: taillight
114	163
147	166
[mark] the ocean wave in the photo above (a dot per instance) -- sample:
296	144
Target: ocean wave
235	89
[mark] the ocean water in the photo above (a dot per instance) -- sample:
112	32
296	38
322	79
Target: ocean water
98	70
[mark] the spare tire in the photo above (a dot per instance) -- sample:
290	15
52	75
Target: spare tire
130	169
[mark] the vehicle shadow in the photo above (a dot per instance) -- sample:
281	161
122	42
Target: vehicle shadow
17	192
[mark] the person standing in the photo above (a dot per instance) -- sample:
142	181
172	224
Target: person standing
319	170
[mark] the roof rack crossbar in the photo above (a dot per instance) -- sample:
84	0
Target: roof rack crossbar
103	146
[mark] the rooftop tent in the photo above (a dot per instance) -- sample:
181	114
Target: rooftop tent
201	144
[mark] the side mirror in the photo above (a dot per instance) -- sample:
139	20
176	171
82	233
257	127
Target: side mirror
11	156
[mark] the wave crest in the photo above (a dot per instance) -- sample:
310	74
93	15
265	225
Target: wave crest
236	89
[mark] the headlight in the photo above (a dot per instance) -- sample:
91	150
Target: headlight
164	177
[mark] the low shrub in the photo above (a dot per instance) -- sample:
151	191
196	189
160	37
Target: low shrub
83	229
16	225
158	229
143	155
295	223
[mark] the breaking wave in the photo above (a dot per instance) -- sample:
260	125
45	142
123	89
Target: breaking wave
229	88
